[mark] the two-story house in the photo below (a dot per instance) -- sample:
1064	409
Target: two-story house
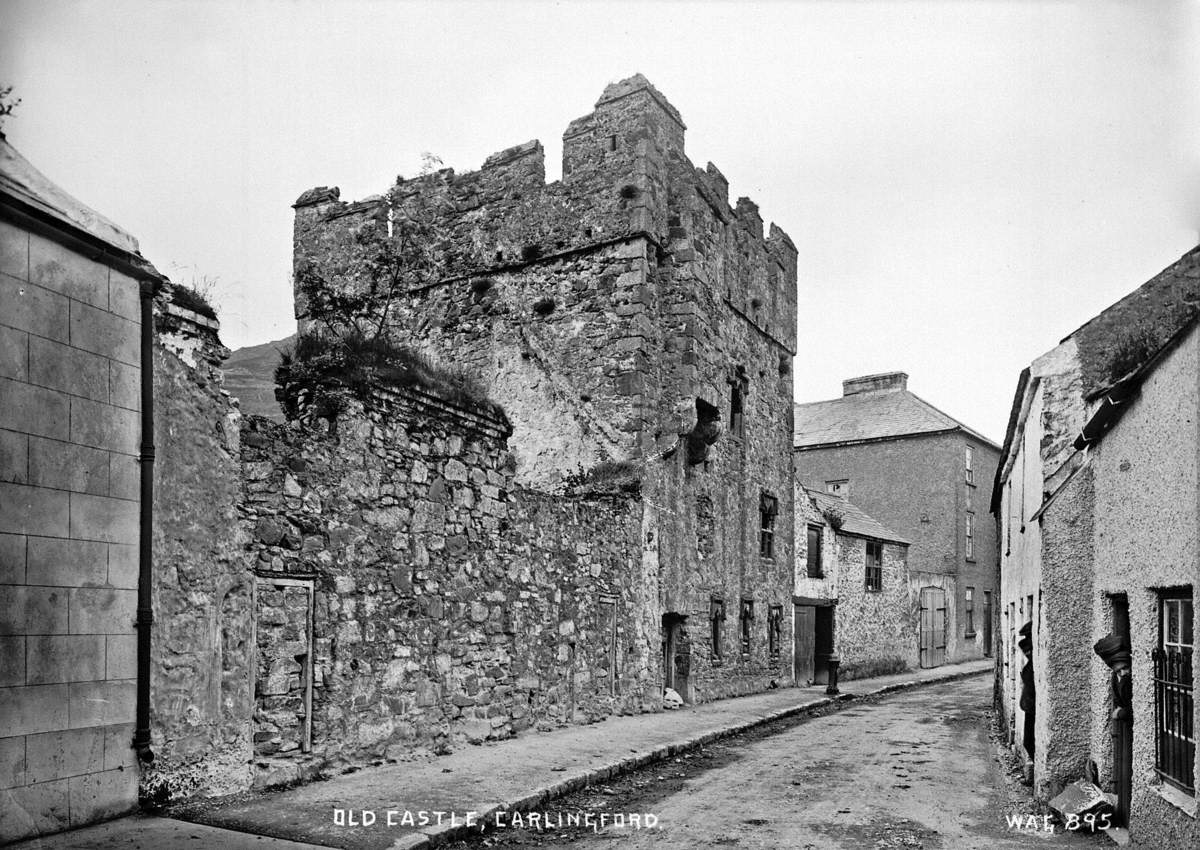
923	474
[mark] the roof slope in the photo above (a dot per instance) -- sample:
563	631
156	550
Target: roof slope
855	520
20	180
1124	336
871	416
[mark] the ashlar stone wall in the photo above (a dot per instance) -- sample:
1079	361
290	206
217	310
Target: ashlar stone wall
69	432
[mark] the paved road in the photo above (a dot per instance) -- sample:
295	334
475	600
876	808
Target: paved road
913	770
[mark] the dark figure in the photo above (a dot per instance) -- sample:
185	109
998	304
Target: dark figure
1114	651
1028	701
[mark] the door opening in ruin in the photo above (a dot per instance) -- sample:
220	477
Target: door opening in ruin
608	625
932	650
283	679
677	654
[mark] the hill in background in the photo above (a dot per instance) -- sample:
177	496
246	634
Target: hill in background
250	377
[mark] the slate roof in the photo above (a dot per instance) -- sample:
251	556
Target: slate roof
21	181
872	416
855	521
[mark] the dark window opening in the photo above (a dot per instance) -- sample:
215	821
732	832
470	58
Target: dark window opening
746	616
774	630
612	143
1174	706
736	419
874	578
969	611
768	509
716	619
815	569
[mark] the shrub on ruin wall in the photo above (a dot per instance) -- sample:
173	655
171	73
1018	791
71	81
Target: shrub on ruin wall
325	371
348	347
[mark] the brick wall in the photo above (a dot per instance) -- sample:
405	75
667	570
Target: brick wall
69	429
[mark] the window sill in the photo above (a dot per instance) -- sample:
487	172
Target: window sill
969	634
1179	799
970	560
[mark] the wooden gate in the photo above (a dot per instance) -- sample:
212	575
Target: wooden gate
933	627
804	643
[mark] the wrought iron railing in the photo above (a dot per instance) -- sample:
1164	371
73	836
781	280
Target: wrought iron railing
1174	718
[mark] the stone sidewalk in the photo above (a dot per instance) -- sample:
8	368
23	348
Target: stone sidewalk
519	774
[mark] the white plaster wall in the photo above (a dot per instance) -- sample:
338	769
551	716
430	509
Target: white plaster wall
1147	504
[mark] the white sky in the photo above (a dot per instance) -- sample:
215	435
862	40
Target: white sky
966	182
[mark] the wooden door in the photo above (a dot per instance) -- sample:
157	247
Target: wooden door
933	627
804	643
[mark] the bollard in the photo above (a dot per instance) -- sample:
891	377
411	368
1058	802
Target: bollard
833	676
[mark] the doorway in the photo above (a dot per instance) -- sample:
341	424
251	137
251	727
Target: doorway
813	641
677	654
932	650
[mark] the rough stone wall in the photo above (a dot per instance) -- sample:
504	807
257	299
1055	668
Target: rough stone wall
876	631
69	378
449	604
916	487
807	513
665	298
1146	485
201	639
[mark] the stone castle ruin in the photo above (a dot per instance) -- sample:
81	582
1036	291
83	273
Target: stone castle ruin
536	471
601	512
614	519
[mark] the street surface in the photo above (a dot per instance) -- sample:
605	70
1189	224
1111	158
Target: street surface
912	770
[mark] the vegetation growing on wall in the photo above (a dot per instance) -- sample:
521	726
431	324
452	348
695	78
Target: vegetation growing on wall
349	347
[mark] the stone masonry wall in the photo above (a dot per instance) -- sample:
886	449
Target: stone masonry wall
201	644
448	604
69	429
657	303
876	631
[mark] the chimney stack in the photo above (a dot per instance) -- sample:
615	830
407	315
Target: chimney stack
887	382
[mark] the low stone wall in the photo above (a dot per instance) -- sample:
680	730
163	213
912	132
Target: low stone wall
435	603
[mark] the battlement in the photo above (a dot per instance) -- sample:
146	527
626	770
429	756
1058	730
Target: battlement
630	274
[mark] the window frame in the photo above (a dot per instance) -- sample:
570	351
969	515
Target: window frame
814	554
745	619
969	612
969	536
969	464
873	566
774	631
768	512
716	623
1174	692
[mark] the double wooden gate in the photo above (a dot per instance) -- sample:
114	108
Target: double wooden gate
933	627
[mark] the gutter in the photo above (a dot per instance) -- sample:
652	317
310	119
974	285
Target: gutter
145	611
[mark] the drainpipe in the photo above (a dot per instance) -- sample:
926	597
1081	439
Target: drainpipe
145	613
